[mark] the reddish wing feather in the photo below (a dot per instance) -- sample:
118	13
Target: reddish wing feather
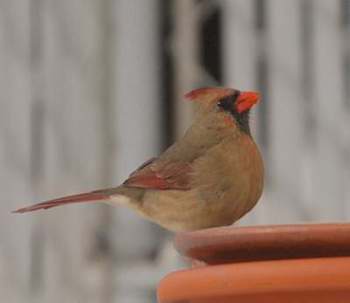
174	175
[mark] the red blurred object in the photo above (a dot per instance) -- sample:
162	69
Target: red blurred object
287	263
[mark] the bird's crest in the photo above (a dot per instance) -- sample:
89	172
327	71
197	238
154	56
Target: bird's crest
209	93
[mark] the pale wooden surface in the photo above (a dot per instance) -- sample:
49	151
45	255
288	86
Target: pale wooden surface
80	85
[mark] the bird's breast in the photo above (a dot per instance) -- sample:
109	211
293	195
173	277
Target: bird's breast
229	178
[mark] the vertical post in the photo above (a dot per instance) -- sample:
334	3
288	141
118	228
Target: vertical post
185	57
328	180
240	44
136	88
15	136
37	153
137	119
286	108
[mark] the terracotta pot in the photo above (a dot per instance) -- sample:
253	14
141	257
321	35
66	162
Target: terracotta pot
289	263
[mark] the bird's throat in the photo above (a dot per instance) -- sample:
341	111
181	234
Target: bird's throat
242	121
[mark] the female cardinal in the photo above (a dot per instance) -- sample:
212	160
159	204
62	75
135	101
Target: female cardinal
211	177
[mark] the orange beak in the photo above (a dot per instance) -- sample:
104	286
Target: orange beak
246	100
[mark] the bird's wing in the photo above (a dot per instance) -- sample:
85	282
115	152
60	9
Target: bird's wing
155	175
143	165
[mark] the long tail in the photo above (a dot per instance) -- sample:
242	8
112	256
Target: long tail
93	196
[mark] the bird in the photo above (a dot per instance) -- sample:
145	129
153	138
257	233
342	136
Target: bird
210	177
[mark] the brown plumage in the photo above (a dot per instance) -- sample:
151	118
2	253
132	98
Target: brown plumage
210	177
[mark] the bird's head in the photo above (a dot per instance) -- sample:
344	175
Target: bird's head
230	105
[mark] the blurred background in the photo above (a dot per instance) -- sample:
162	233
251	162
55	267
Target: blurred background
91	89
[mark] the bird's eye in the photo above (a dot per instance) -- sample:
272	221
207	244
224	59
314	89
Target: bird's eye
226	103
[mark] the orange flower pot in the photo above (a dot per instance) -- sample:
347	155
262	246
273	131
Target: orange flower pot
290	263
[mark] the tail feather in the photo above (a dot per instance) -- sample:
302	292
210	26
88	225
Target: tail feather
79	198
